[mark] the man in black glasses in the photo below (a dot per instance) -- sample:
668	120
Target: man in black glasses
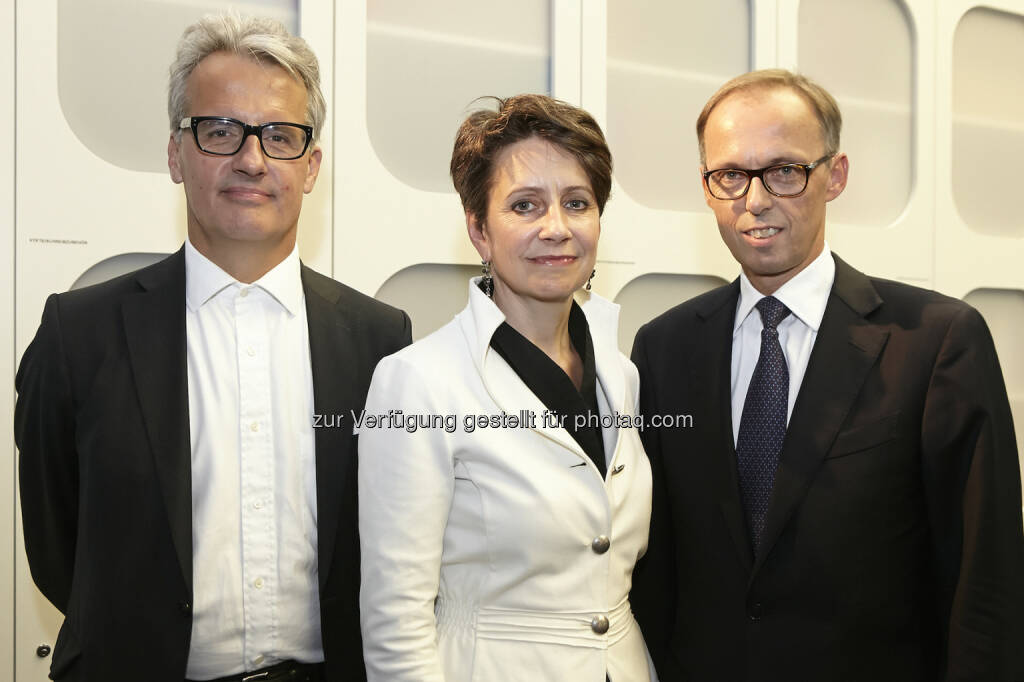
847	502
179	507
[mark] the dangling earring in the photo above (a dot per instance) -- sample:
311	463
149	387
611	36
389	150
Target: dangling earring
488	280
591	279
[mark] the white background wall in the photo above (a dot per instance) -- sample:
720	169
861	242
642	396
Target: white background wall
934	129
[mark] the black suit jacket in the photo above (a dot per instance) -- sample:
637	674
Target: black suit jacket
892	548
102	425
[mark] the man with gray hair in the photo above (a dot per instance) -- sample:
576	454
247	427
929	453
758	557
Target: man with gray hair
846	504
179	506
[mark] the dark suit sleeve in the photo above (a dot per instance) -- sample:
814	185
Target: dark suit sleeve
653	596
45	434
972	481
406	335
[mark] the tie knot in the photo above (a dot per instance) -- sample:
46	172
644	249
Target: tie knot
772	311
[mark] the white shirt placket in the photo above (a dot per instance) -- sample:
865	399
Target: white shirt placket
256	454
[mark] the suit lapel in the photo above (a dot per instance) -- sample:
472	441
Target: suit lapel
846	347
713	374
154	323
336	368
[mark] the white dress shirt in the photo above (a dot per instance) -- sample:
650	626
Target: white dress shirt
806	296
254	534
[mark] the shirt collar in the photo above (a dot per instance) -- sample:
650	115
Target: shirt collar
806	295
204	279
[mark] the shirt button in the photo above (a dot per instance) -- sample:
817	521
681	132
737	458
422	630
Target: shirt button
600	544
258	660
599	624
255	426
243	293
257	505
250	351
258	583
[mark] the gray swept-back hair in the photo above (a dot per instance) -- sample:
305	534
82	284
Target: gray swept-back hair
258	38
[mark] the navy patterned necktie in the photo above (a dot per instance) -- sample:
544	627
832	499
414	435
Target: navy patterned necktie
763	423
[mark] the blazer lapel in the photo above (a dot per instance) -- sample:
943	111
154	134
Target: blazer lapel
337	369
512	395
712	374
154	323
603	320
847	347
478	321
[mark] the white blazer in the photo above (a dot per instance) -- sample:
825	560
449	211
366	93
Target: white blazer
498	554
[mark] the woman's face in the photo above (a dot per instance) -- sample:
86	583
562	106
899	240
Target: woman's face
541	228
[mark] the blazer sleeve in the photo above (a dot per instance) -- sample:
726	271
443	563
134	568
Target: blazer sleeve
653	596
972	482
406	483
44	430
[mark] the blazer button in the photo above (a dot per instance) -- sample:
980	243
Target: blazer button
599	624
600	544
755	612
185	608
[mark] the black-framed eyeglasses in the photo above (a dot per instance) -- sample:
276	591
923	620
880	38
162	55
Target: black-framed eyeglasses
225	136
782	180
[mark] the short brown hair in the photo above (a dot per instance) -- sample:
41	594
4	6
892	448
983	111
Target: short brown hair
485	133
823	104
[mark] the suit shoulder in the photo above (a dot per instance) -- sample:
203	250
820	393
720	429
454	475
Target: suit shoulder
353	300
680	317
891	290
436	353
928	304
105	297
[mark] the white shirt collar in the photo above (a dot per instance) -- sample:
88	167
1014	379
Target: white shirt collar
204	279
806	295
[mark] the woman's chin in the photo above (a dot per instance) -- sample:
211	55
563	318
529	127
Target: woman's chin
547	294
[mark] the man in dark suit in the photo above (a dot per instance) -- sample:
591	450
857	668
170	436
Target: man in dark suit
179	506
846	504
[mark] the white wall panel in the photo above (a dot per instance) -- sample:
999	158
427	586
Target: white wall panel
656	233
390	219
412	115
647	295
664	61
8	524
122	116
971	133
434	292
885	220
988	119
875	91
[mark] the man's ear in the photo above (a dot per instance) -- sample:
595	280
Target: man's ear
315	158
174	158
704	186
837	176
478	235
